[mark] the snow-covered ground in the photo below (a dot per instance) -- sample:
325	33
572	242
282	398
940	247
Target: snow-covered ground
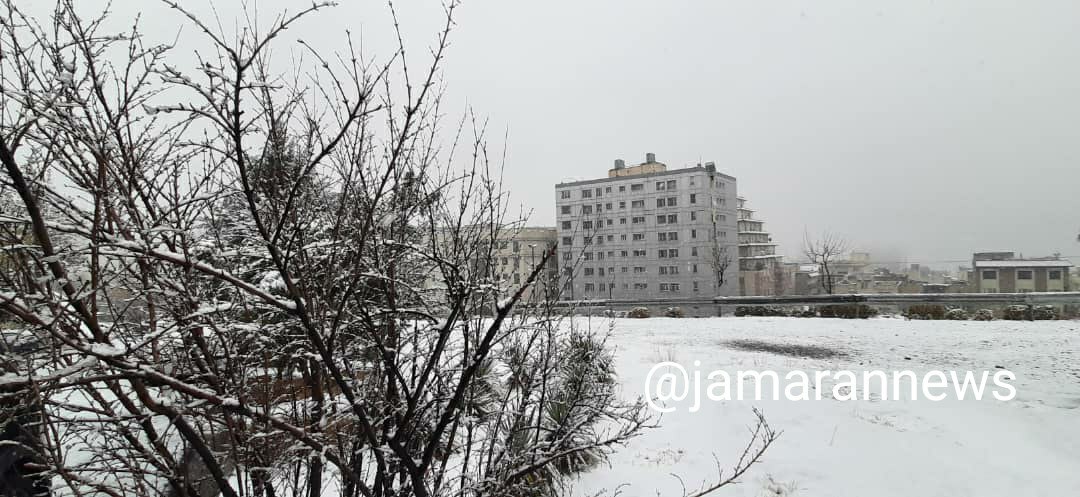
1027	446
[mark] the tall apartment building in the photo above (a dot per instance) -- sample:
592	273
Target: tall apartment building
648	232
761	270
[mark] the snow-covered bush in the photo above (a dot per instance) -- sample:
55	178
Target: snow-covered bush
847	311
639	313
1017	313
925	311
983	315
1044	313
956	314
674	312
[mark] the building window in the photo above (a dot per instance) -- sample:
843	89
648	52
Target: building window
637	187
660	202
610	238
672	201
693	215
599	208
989	275
622	204
587	256
695	286
587	271
672	218
637	204
607	190
622	220
586	193
694	269
586	209
599	192
517	247
586	225
639	237
564	209
622	253
693	233
567	240
1054	275
639	269
641	286
589	287
661	219
607	206
587	240
566	225
622	188
639	253
622	237
659	186
623	269
1024	274
610	222
693	253
565	194
693	198
637	220
671	184
567	256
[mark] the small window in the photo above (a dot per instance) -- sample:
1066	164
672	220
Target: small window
637	187
1054	275
661	219
622	220
693	215
610	222
637	204
659	185
660	202
567	240
607	206
693	198
639	236
565	194
671	184
599	192
672	201
586	193
622	204
586	209
607	190
564	209
693	253
566	225
586	225
989	275
1024	274
622	188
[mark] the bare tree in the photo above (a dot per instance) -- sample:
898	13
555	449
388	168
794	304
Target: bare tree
246	281
824	252
720	261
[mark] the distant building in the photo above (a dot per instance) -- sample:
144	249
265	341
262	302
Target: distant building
1002	272
647	232
761	270
519	250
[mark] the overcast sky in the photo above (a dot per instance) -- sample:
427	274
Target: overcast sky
919	129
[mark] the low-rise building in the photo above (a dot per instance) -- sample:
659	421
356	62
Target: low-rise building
1002	272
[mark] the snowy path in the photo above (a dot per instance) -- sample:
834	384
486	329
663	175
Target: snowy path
1026	447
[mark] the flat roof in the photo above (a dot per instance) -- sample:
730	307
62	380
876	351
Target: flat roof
642	176
1024	263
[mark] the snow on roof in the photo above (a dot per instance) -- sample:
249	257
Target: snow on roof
1024	263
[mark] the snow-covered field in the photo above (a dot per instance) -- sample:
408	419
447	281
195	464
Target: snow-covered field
1025	447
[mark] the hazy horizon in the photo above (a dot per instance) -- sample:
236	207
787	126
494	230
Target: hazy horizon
924	130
